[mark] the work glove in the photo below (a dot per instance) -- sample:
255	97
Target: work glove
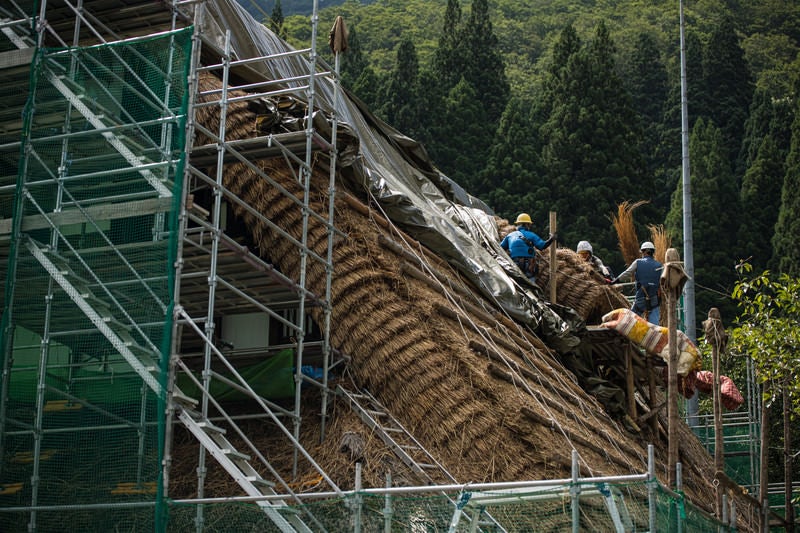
549	241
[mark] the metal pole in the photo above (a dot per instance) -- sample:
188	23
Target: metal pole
679	487
651	488
387	508
574	492
183	219
326	326
688	241
357	500
305	174
724	513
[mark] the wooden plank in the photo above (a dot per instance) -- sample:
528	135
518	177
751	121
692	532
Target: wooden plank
98	212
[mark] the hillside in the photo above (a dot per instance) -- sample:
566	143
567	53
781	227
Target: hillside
769	31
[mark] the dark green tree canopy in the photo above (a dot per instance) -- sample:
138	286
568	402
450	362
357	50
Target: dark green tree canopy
728	87
590	140
715	217
787	229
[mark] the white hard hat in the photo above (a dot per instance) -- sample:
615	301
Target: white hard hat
584	246
647	245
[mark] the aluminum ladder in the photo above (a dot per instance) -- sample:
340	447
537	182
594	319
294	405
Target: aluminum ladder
404	445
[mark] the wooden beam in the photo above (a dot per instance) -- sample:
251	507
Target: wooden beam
97	212
629	383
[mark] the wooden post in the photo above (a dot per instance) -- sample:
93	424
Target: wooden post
763	479
672	388
715	336
672	280
629	382
788	505
553	260
651	385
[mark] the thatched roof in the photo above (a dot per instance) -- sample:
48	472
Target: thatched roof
488	398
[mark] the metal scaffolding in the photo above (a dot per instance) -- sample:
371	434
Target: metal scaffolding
741	435
134	302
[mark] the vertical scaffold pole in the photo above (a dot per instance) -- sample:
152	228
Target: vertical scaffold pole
679	504
212	275
306	182
183	217
575	491
387	508
357	500
326	340
651	488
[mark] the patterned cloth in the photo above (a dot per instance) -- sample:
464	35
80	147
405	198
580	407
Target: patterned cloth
703	381
654	339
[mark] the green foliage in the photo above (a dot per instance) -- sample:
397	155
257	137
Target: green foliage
513	175
728	89
596	139
464	121
787	228
401	96
715	217
767	329
484	67
276	20
590	140
759	189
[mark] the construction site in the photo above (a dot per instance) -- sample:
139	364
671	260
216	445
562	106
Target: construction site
237	300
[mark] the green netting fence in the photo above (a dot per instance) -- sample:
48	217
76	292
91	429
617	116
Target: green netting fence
87	317
740	438
600	507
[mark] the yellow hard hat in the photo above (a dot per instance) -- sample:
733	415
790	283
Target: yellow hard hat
523	218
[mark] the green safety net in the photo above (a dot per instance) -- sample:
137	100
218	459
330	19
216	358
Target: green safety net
741	452
601	507
87	320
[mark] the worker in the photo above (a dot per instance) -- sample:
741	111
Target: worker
586	253
522	244
646	272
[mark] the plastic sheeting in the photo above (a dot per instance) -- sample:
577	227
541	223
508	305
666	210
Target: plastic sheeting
397	172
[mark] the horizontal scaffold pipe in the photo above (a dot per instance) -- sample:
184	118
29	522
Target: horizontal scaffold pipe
436	489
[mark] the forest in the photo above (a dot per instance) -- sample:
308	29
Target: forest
574	106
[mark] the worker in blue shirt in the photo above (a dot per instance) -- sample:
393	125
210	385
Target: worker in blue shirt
522	244
646	272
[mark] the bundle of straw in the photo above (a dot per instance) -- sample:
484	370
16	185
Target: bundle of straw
661	239
626	231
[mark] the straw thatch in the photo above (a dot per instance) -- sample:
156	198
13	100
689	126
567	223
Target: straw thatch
661	239
626	230
484	395
579	286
